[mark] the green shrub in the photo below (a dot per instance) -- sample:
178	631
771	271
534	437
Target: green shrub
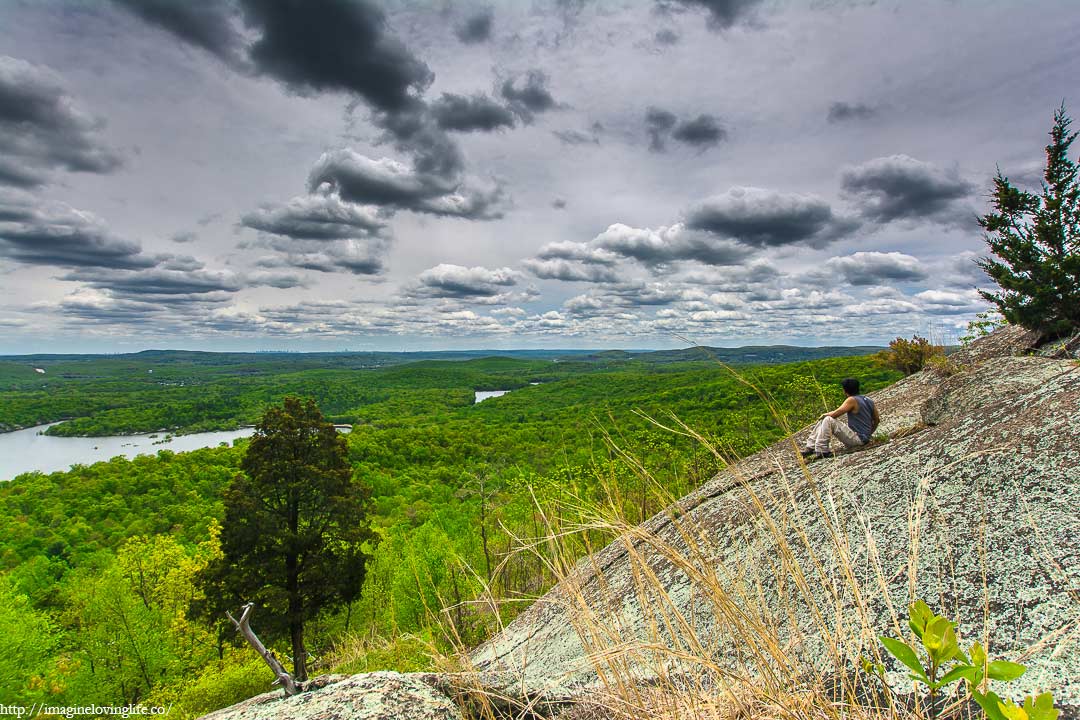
240	675
947	665
909	356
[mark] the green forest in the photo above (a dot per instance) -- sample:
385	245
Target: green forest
99	565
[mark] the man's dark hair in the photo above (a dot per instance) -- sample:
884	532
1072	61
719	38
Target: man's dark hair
850	385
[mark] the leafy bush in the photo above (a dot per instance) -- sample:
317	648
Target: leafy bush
909	356
240	675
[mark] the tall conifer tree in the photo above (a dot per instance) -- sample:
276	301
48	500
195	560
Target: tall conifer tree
294	526
1036	238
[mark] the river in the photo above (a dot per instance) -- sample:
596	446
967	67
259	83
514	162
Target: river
26	450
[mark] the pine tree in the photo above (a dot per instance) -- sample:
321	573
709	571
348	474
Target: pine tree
1036	238
294	527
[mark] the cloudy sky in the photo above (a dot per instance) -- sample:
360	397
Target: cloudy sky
363	174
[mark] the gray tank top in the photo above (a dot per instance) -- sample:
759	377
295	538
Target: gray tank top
861	421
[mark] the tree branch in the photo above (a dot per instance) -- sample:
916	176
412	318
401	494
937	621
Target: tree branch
242	625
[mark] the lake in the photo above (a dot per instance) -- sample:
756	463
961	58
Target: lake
26	450
482	395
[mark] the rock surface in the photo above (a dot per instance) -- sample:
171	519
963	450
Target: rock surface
369	696
983	466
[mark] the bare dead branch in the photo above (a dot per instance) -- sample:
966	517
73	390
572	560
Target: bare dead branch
244	627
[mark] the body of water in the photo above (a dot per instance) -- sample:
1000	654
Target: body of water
27	450
485	394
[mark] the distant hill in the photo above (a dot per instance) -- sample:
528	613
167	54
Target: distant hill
750	354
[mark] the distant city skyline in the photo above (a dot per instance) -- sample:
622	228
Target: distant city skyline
309	176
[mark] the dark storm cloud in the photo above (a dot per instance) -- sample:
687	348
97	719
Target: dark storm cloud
170	286
310	240
179	262
184	237
477	27
658	123
205	23
14	175
342	46
390	184
157	282
899	187
722	13
529	96
416	132
42	127
766	218
459	282
61	236
874	268
338	45
470	113
842	111
666	36
702	132
316	217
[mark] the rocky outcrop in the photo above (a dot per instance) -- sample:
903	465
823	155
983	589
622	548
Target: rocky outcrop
369	696
784	572
972	504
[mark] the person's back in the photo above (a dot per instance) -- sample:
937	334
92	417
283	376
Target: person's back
861	421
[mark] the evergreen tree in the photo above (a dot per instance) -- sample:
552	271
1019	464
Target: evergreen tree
294	526
1036	238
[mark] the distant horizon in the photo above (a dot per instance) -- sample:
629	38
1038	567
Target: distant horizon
468	350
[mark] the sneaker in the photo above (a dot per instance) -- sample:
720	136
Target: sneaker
808	452
826	454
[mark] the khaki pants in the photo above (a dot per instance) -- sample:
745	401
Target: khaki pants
825	429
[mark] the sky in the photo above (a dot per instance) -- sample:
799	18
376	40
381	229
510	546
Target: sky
399	175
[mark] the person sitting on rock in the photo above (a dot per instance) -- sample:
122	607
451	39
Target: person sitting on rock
862	418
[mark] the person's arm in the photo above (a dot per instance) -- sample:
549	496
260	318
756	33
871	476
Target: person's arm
847	406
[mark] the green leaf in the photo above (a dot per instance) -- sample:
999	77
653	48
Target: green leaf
965	672
978	655
1012	711
1042	709
1004	670
939	640
920	616
989	703
903	652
